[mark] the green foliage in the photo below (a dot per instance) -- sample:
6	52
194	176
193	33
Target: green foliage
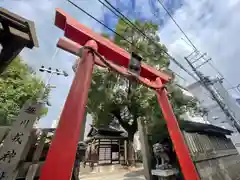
110	94
17	85
151	52
106	35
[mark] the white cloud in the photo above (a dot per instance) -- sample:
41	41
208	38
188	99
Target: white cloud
213	26
43	14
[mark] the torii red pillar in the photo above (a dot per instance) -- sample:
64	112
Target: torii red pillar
60	158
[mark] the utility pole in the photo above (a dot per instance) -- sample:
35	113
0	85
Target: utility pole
230	102
235	87
208	84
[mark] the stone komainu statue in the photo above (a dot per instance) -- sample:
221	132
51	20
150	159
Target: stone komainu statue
160	153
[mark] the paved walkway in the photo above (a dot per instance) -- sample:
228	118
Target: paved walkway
119	175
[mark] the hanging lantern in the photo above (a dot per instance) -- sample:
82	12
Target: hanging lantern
134	66
135	63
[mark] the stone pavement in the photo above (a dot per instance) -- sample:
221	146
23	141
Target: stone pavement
117	175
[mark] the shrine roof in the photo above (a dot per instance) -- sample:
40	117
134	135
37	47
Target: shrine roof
103	131
18	26
190	126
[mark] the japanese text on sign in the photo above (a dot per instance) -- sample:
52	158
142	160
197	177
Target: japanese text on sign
17	138
8	156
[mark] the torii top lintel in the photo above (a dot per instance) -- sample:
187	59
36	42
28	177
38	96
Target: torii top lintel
81	34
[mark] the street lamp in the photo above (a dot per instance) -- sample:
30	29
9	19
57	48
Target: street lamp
56	71
52	72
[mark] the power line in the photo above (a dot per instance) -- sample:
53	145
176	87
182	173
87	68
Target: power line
110	29
206	61
81	9
219	72
189	40
223	77
125	19
175	22
204	80
128	22
171	58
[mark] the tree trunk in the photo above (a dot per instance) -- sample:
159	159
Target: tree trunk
131	152
131	131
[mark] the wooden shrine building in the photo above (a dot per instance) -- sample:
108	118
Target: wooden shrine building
213	153
106	145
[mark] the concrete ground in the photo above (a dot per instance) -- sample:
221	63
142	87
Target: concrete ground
115	175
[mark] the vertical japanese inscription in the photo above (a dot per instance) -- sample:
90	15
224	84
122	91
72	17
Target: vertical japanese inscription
7	157
30	110
24	123
17	138
2	175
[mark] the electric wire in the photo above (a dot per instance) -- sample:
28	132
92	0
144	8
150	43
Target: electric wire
192	44
123	17
110	29
171	58
227	113
128	22
81	9
175	22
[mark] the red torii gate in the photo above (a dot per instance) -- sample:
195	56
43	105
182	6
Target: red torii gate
61	155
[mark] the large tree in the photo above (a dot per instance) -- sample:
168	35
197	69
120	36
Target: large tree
18	83
112	98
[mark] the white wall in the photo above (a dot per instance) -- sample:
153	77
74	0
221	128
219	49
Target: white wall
55	123
215	114
187	115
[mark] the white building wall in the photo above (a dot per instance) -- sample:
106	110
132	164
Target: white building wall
187	116
229	101
215	114
55	123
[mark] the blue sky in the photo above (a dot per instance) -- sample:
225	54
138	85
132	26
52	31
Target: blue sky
212	25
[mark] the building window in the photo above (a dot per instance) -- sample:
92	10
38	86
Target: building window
104	155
